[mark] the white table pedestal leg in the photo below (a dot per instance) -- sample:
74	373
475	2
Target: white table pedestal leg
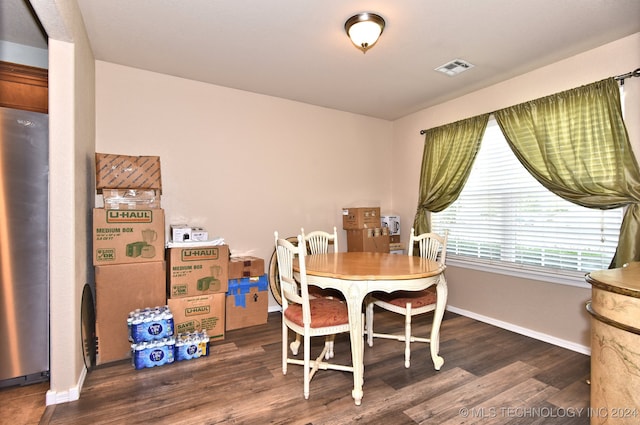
354	298
441	292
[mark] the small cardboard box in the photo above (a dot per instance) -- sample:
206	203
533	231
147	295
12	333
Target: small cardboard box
240	267
180	233
364	240
202	312
393	223
199	234
197	270
396	246
247	302
127	236
361	218
127	172
121	289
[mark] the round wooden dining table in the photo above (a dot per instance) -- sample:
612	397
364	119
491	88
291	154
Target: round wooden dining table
357	274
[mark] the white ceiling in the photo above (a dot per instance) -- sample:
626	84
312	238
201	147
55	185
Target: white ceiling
298	50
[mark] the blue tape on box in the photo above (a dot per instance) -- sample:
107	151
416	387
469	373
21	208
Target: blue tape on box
238	288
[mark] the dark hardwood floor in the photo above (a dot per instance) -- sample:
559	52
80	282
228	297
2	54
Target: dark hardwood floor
490	376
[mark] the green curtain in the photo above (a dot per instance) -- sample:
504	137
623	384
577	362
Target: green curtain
449	152
575	143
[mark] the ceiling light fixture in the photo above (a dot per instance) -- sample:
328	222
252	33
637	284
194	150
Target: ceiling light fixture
364	29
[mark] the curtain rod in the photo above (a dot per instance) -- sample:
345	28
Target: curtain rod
621	78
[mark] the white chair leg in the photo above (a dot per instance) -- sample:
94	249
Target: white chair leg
285	337
369	323
295	345
329	344
307	365
407	337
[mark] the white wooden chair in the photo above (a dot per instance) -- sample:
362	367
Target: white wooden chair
318	241
411	303
308	317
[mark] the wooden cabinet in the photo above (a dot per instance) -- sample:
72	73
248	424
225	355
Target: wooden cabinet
24	87
615	345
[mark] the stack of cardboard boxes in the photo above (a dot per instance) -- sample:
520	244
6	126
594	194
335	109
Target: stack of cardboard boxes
365	232
197	280
128	247
203	289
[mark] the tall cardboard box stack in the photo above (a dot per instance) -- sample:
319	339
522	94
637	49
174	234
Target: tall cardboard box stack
128	247
247	295
197	280
365	232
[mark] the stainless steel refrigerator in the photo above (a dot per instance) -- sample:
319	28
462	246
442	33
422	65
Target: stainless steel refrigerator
24	247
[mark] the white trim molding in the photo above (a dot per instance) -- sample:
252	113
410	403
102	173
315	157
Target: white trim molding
72	394
523	331
578	348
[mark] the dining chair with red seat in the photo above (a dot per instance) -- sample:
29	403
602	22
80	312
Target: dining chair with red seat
306	316
318	242
410	303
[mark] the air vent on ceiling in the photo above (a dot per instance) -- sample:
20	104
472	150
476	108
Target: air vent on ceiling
454	67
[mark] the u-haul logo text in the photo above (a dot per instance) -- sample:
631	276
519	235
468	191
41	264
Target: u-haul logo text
199	254
197	311
129	216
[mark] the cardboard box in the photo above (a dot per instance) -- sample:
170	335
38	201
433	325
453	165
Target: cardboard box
247	302
392	222
127	236
121	289
127	172
197	270
180	232
240	267
361	218
365	240
199	234
202	312
395	246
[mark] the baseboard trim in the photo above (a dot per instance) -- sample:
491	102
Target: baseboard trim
578	348
72	394
523	331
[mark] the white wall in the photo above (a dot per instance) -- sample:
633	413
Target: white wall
71	148
240	164
547	310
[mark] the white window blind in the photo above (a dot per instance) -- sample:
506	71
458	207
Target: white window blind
505	218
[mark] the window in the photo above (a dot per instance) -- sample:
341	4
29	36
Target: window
505	221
